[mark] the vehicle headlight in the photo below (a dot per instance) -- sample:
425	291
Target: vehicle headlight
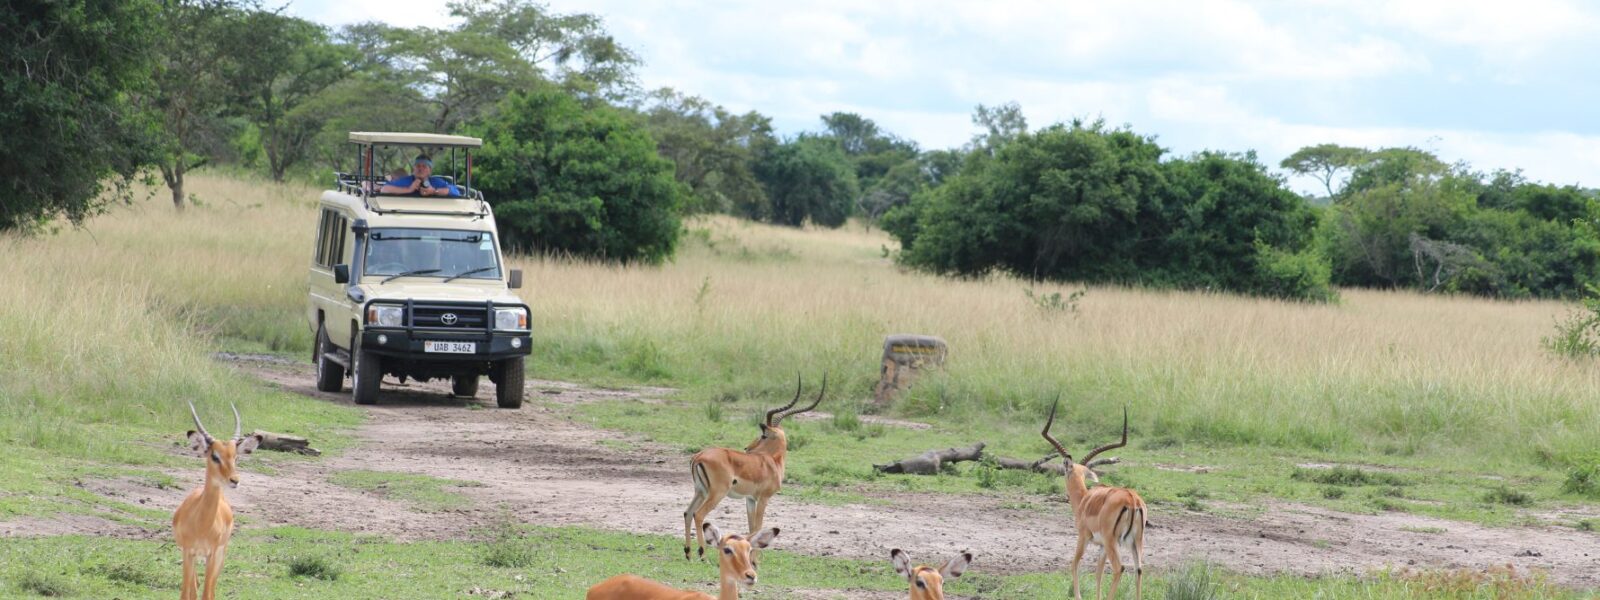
511	318
385	316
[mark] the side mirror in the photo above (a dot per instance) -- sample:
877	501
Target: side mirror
341	274
515	280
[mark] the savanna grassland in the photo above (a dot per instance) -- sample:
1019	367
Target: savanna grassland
1234	402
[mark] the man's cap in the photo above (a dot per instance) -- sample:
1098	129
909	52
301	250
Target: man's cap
422	159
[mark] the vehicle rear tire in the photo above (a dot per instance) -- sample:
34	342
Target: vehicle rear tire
508	390
465	386
366	375
330	375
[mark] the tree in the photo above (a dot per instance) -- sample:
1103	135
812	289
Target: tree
500	47
66	69
1084	202
574	50
274	66
573	179
1400	166
999	125
188	97
1324	162
713	149
807	179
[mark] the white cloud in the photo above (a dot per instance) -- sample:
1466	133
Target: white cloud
1200	74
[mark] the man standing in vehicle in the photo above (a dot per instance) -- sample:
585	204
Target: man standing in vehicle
421	181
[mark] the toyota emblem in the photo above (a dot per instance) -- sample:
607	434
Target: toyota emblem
448	318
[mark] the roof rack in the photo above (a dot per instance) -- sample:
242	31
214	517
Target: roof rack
365	182
381	138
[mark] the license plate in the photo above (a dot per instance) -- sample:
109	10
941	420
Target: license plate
450	347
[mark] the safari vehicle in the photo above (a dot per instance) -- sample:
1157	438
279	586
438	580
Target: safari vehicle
413	287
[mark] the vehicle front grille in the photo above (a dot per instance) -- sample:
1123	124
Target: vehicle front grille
435	315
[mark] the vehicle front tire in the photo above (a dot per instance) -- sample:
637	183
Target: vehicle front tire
366	375
508	390
465	386
330	375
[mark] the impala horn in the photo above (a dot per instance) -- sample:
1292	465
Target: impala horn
1111	446
820	393
788	406
197	425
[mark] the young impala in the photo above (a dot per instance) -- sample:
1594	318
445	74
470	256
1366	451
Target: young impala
754	474
734	565
1111	517
927	583
204	522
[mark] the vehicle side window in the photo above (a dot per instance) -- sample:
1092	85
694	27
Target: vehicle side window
331	233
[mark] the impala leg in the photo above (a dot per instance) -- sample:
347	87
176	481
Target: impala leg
688	520
1138	563
1100	575
757	513
190	582
1116	569
213	569
713	498
1077	557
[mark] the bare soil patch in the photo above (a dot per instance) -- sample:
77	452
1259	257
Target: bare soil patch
538	467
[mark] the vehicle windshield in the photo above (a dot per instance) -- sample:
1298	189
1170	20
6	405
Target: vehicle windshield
436	253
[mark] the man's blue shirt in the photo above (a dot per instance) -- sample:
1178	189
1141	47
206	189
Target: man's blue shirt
433	182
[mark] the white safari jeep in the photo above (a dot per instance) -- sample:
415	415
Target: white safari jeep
413	285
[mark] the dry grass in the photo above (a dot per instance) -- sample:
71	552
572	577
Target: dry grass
1392	372
744	306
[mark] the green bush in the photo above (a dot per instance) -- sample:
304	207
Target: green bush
1583	477
808	179
1089	203
583	180
1577	335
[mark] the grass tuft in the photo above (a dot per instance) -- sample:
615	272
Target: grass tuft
1194	582
40	584
313	567
1503	494
1347	476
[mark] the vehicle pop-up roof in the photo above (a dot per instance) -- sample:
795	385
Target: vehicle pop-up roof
366	181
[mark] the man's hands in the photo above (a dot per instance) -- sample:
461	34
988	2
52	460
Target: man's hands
418	187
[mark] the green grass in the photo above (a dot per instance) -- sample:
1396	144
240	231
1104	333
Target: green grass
828	455
563	562
423	492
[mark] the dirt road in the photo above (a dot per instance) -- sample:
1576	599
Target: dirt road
537	467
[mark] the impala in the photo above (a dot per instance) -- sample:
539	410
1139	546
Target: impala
735	567
927	583
204	521
754	474
1111	517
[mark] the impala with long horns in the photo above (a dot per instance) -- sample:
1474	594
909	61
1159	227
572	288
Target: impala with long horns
203	523
734	566
927	583
1111	517
754	474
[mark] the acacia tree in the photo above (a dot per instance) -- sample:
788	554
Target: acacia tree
1324	162
66	68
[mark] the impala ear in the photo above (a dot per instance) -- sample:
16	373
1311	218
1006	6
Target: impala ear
955	566
765	537
902	563
712	533
247	444
197	442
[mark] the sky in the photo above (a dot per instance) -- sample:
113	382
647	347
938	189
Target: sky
1497	84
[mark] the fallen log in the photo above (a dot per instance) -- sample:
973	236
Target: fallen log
930	462
283	442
